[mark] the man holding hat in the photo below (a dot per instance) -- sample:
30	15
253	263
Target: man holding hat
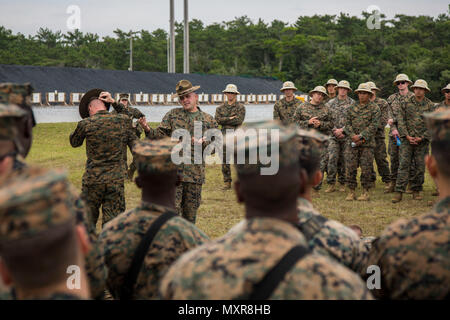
380	139
246	263
402	82
363	120
189	192
229	115
415	141
284	109
336	145
107	136
38	225
445	104
413	253
331	87
123	236
314	114
134	113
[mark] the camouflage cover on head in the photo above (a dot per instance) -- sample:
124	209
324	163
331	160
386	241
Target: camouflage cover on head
35	204
124	96
9	113
438	124
154	156
19	94
310	143
263	137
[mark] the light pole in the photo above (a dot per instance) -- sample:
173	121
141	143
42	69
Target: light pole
186	37
131	34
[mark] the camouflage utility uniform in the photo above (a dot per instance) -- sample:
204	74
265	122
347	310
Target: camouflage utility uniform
228	268
411	123
304	113
394	101
121	237
223	114
336	147
107	136
189	192
362	120
380	143
413	256
284	110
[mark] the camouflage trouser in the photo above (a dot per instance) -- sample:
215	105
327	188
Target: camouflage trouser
226	169
336	161
411	157
381	158
109	196
188	198
363	157
323	163
131	169
393	150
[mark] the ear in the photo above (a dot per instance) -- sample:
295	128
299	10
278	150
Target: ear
83	239
317	178
431	165
237	190
4	273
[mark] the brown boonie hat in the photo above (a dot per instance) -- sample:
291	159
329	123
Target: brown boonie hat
288	85
154	156
344	84
19	94
402	77
252	137
83	107
184	87
422	84
373	86
35	204
364	87
438	123
319	89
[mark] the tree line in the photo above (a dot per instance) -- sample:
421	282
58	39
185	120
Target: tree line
308	52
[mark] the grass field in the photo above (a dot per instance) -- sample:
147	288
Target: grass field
219	210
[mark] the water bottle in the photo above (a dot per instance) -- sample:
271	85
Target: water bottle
399	143
353	144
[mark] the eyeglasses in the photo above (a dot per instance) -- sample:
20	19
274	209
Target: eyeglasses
401	82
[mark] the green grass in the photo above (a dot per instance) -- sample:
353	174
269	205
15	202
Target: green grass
219	210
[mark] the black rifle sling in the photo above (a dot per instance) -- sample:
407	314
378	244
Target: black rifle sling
264	289
138	258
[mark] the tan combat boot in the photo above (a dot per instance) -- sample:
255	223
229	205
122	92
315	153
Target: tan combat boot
408	190
351	195
342	188
390	187
364	196
417	195
397	197
331	188
227	186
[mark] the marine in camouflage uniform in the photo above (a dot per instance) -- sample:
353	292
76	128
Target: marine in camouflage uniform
283	109
380	139
395	100
307	111
122	236
233	266
413	253
107	136
362	122
192	176
229	116
325	236
21	93
411	124
39	225
336	146
445	104
124	107
331	87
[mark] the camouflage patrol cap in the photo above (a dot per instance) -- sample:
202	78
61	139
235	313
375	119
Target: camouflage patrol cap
9	115
184	87
310	143
154	156
263	138
124	96
35	204
19	94
438	124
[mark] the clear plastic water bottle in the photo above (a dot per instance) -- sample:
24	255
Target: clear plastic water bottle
399	142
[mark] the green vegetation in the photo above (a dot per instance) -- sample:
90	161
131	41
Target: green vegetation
308	52
219	210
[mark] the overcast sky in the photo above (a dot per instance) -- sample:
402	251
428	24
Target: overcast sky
104	16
